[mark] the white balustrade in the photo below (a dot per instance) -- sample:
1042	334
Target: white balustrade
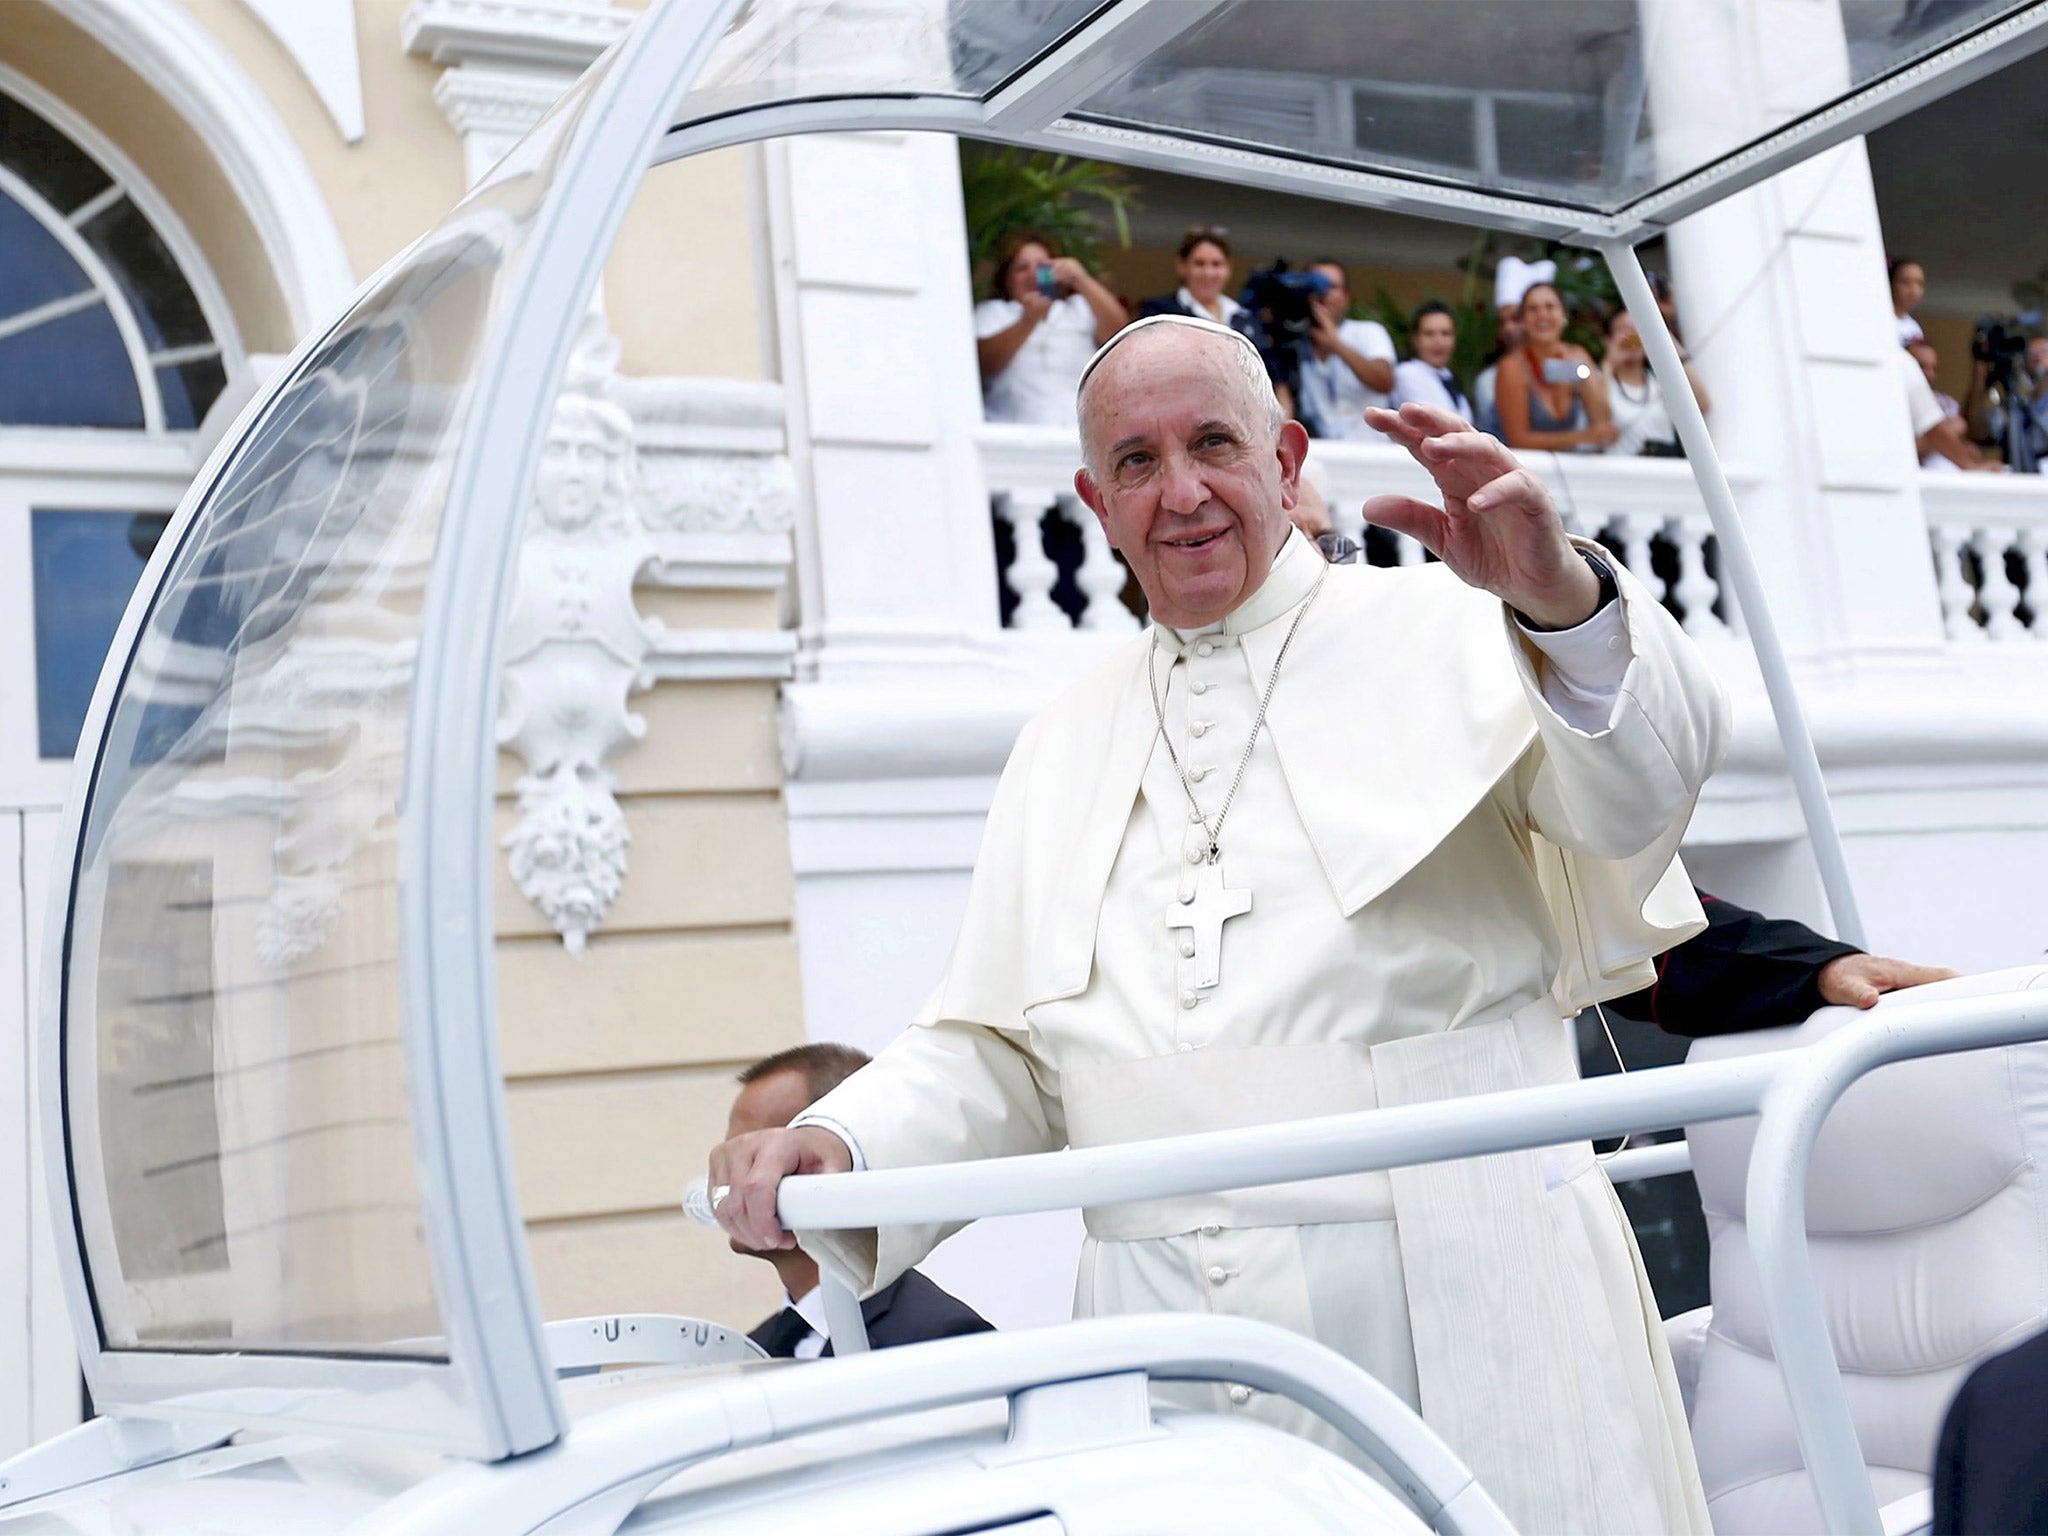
1032	573
1979	528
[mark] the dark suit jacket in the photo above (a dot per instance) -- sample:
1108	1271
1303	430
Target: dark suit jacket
1991	1465
910	1311
1745	972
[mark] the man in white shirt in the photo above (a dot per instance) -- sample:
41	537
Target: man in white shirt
1350	366
774	1092
1488	764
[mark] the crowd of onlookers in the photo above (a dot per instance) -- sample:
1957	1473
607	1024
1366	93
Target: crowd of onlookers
2007	409
1047	313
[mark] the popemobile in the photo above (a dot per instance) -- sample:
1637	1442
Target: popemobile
353	1342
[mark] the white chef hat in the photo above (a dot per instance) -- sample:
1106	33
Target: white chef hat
1515	277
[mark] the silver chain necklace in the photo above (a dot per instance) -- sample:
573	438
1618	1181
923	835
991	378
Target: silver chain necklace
1215	829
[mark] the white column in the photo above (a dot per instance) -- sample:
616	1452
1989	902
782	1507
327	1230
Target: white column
1784	306
896	557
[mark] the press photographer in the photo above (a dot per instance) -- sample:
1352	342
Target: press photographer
2008	401
1347	365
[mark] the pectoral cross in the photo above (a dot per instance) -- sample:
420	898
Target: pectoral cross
1204	912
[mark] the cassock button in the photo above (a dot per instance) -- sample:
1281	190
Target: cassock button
1240	1395
1200	727
1202	687
1187	1045
1196	855
1218	1274
1194	816
1187	949
1188	999
1614	642
1212	1230
1205	649
1198	774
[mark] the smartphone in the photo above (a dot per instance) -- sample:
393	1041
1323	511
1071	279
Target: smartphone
1047	283
1562	370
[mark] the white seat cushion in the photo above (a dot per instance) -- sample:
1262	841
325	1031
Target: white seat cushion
1927	1210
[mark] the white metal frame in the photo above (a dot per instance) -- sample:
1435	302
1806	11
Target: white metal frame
1792	1090
499	1381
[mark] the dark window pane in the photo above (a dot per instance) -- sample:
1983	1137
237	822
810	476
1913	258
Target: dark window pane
62	173
72	372
188	389
34	267
86	565
149	275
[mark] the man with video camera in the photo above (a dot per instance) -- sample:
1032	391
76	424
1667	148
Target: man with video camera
2009	390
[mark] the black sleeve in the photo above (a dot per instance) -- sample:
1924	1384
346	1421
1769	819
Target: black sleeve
1745	972
1159	304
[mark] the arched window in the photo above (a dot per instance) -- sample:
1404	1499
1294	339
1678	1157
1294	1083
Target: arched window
114	341
99	324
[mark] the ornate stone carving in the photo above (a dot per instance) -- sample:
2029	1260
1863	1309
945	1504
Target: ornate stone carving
576	649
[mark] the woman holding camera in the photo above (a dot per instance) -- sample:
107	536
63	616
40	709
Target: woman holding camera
1635	399
1048	316
1550	395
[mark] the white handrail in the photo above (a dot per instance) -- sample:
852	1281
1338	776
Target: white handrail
1793	1091
615	1459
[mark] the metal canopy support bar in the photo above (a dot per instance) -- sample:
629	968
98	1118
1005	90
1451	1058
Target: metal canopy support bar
1110	45
1739	565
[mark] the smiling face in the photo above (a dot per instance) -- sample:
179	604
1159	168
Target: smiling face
1542	316
1020	280
1186	471
1435	338
1204	272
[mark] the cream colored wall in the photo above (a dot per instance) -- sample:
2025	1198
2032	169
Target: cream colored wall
619	1063
404	173
681	289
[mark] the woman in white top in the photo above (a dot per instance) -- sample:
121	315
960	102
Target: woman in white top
1035	336
1427	376
1635	400
1202	263
1909	287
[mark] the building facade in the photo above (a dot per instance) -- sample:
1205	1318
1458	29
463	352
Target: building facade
759	679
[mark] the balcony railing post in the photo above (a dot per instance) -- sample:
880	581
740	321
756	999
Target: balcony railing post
1957	595
1101	577
2033	548
1032	572
1996	594
1637	530
1695	590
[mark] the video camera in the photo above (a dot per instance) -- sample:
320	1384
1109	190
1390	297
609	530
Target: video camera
1282	300
2002	338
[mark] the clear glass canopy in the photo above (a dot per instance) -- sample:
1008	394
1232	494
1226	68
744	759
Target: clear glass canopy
240	1051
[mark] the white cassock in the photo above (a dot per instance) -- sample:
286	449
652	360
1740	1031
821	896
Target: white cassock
1442	868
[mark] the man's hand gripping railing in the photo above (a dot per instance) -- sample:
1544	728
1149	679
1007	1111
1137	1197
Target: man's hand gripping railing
1794	1090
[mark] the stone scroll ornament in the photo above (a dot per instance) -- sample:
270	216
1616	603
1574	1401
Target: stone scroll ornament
577	649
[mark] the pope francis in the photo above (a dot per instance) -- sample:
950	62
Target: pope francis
1324	838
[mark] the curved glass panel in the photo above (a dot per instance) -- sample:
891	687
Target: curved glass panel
64	175
238	1125
1589	104
35	269
788	50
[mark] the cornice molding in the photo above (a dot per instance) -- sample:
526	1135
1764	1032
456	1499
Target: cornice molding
562	36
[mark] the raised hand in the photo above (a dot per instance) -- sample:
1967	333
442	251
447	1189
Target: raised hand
1497	529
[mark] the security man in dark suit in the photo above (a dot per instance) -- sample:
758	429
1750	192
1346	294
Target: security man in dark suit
774	1092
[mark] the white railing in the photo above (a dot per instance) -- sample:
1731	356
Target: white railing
1646	510
1989	535
1792	1090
